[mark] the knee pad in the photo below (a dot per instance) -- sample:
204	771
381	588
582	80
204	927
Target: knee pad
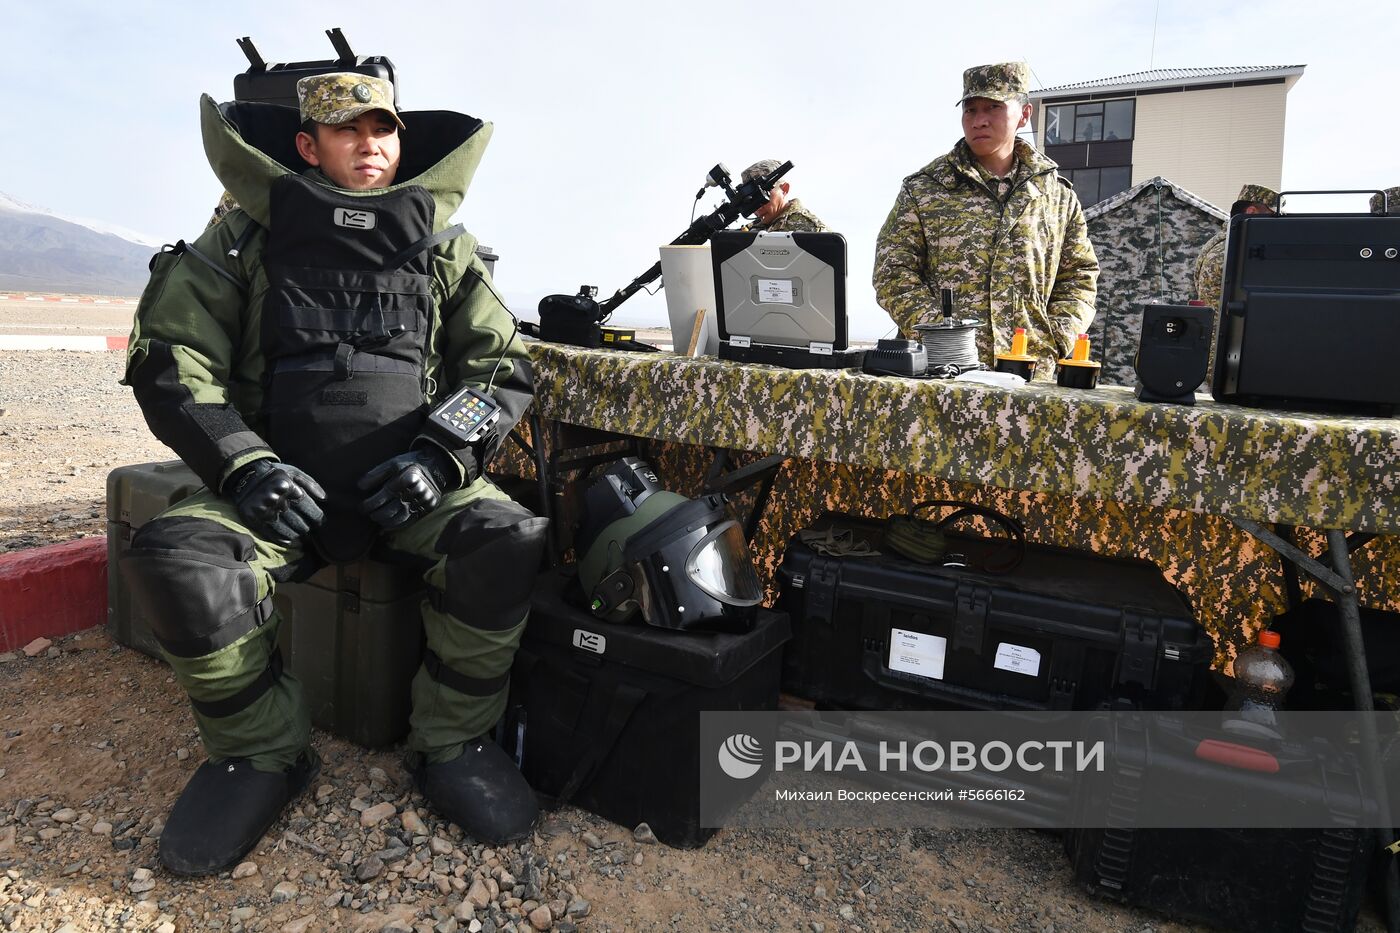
493	550
191	578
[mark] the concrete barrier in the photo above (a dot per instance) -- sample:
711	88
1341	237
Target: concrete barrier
53	590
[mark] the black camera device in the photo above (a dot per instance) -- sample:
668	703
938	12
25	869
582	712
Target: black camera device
572	319
1173	352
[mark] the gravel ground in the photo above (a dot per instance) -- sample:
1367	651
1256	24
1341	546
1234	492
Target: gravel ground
96	741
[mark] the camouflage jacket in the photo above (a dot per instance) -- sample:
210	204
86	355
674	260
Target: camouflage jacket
1210	269
793	218
1022	262
196	360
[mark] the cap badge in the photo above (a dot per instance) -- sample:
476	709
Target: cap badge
361	92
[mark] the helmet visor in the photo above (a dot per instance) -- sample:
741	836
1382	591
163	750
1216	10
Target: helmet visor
721	565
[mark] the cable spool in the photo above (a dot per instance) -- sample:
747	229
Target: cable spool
951	341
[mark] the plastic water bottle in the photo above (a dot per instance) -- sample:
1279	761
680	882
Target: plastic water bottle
1262	680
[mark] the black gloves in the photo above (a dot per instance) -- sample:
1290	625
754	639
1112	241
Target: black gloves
408	485
276	500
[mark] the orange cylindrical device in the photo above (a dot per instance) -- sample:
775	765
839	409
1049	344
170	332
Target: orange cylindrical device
1018	361
1078	372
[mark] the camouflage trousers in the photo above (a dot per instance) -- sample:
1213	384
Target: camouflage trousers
206	582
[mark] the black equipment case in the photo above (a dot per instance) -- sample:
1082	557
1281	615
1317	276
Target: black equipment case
276	83
1310	313
1242	880
607	716
1063	630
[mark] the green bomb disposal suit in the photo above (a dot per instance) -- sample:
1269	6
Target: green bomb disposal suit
323	340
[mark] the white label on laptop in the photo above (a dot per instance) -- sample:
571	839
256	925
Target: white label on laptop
736	341
917	653
819	349
775	291
1018	659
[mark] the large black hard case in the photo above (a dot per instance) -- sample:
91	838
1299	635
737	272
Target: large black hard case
1064	630
607	716
1242	880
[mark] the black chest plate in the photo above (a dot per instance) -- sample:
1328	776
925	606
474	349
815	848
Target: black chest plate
345	329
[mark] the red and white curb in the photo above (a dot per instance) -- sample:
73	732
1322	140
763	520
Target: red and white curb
56	342
51	591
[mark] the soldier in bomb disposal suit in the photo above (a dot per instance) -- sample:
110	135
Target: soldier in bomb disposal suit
1210	265
994	221
781	213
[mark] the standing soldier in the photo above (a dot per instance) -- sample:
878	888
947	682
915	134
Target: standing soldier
995	222
1210	265
781	213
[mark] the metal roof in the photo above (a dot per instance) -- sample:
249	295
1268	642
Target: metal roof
1167	77
1123	197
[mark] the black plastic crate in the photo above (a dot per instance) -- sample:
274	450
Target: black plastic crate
1064	630
1246	880
609	715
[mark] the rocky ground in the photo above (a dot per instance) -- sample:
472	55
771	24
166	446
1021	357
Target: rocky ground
96	741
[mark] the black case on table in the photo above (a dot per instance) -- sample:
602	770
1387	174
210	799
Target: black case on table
1108	631
609	714
1243	880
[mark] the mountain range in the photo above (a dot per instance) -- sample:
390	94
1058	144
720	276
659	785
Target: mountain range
41	251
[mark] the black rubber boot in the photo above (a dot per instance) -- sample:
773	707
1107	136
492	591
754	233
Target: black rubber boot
225	809
482	791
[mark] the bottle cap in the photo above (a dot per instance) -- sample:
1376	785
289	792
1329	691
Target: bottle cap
1269	639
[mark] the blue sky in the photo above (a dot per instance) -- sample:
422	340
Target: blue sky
608	114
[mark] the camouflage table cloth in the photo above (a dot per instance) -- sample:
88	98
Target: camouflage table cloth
1308	470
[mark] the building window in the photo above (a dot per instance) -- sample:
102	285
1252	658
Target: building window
1089	123
1098	184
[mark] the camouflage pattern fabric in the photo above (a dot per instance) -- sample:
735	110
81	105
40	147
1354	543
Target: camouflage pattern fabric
793	218
1025	262
1147	240
1210	269
1163	467
226	206
343	95
761	167
1310	470
1004	81
1391	200
1258	194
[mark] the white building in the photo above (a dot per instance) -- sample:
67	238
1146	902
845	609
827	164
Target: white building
1210	130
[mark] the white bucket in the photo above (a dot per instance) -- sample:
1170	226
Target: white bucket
690	285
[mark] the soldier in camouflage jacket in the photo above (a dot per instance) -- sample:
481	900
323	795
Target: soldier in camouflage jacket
1015	250
1210	265
781	214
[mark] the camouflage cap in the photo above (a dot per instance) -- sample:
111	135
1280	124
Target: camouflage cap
761	167
343	95
1391	200
1005	81
1256	194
